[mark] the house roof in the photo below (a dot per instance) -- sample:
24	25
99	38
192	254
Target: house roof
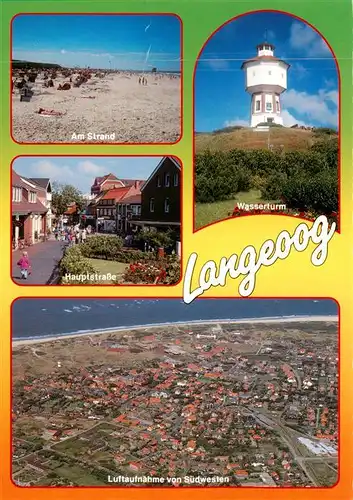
264	59
115	194
25	207
31	184
172	158
133	199
17	181
41	181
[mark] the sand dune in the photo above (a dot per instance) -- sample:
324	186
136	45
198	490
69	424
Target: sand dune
284	319
120	106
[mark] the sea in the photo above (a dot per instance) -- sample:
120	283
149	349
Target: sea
34	318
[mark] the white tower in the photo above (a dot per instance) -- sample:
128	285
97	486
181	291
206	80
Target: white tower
265	81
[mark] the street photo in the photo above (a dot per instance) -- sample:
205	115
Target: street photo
96	78
92	220
266	121
156	393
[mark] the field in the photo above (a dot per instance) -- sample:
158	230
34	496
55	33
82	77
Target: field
206	213
246	138
105	267
115	104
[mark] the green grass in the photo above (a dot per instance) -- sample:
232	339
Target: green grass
206	213
78	475
108	267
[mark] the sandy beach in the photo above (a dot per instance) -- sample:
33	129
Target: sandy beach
284	319
115	105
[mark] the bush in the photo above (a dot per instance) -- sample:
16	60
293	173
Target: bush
159	272
75	263
102	247
318	193
221	175
157	239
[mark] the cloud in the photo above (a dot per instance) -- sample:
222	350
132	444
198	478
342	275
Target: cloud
303	37
299	70
217	64
289	120
236	122
320	108
84	171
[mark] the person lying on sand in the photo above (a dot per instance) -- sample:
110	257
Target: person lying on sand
50	112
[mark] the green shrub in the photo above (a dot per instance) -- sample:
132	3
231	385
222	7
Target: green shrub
74	263
157	239
221	175
102	247
318	193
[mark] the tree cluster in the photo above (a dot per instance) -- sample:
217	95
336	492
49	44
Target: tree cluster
305	181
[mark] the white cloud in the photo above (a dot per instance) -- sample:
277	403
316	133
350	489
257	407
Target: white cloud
217	64
81	174
63	51
289	120
299	70
320	108
303	37
236	122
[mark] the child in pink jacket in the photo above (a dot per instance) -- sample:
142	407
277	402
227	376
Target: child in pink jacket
25	265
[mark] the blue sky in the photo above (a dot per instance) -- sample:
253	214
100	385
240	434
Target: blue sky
91	40
81	171
312	94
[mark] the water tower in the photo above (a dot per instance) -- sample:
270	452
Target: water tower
265	81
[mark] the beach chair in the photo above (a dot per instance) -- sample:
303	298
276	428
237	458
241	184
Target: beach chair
26	94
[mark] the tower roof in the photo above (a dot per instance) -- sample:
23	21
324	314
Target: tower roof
259	45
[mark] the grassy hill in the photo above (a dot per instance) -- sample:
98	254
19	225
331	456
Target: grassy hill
246	138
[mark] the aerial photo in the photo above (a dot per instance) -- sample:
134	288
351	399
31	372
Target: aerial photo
154	392
122	85
266	128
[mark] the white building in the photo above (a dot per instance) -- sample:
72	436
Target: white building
265	81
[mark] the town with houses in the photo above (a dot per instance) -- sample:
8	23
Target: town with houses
114	205
236	404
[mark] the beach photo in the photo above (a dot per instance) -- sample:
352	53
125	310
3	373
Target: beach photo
93	220
157	393
266	121
92	78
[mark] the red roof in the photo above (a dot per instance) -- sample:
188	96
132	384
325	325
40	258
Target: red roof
116	194
25	207
265	59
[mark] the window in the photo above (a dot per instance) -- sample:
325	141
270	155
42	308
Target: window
158	181
166	205
257	106
268	106
16	194
277	105
176	179
32	196
167	179
152	205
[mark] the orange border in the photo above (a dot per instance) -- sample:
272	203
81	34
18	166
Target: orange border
197	488
157	287
339	118
104	14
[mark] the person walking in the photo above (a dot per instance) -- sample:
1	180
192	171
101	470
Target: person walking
83	235
25	265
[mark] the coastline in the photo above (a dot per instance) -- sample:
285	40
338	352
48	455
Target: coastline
263	320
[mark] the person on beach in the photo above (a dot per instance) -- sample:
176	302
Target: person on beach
25	265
